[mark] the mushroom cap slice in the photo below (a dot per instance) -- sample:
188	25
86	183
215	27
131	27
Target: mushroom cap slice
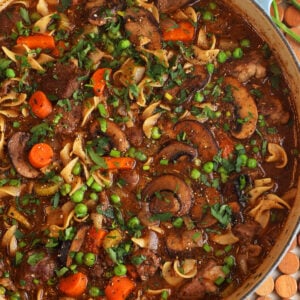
245	109
174	150
117	137
172	184
200	136
17	153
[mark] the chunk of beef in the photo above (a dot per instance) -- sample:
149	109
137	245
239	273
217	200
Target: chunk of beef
247	231
250	66
202	283
248	257
70	118
273	110
166	6
150	264
36	265
9	17
178	242
141	24
61	81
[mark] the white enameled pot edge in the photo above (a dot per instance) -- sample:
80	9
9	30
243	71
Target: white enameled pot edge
257	14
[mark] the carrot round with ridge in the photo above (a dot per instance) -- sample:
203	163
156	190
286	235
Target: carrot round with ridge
40	105
40	155
184	32
121	163
99	80
119	288
74	285
42	41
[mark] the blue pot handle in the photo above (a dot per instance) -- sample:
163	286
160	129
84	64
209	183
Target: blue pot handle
265	5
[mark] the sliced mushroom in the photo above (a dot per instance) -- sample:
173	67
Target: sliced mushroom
172	184
17	153
141	24
278	155
175	150
199	135
245	109
114	132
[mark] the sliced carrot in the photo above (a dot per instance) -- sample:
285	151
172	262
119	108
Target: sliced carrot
99	80
40	105
94	239
120	163
292	16
226	144
235	207
74	285
59	49
42	41
40	155
182	31
119	288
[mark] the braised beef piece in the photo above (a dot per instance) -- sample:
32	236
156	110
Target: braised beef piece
140	23
60	81
167	6
202	283
247	231
149	266
9	17
70	118
36	265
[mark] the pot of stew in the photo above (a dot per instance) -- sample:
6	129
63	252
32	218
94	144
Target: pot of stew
149	150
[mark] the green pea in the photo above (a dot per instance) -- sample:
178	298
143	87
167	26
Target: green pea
120	270
115	199
65	189
178	222
207	16
10	73
252	163
210	68
77	169
78	195
243	158
195	174
124	44
94	196
245	43
96	186
89	259
237	53
156	133
222	57
131	152
79	257
94	291
81	210
208	167
198	97
133	222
